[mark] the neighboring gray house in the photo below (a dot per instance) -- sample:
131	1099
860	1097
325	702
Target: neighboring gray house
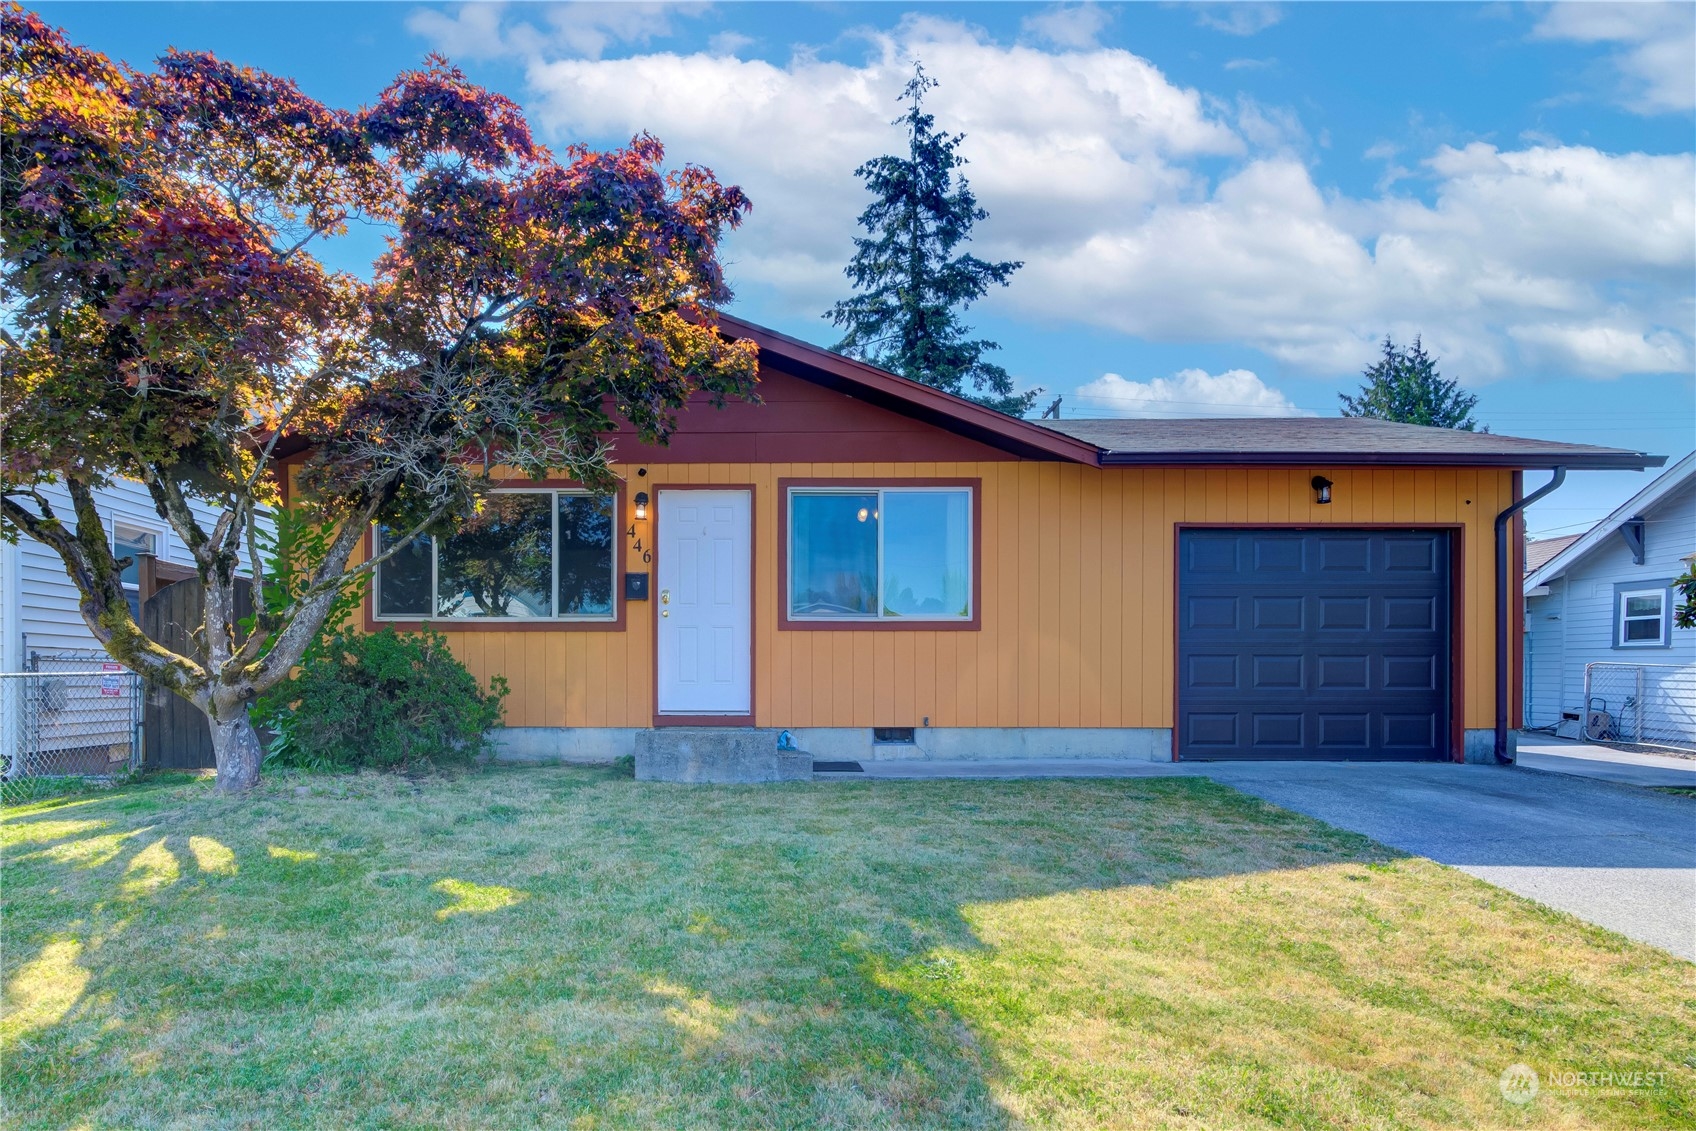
77	711
38	602
1603	601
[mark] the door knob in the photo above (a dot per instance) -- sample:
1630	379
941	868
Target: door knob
665	612
665	596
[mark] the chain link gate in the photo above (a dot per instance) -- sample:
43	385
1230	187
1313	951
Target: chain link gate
1640	704
70	714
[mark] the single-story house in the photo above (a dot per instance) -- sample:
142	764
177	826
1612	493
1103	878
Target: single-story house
1600	606
883	569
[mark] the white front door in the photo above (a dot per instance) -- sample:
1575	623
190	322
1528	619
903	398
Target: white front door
704	599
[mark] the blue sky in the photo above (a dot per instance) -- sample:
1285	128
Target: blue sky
1221	207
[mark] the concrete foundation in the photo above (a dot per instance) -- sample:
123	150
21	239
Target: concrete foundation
854	744
1136	744
718	755
1479	746
564	744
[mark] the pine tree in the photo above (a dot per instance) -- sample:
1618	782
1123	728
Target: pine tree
1405	386
910	286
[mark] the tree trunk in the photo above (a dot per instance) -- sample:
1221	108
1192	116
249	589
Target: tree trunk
235	745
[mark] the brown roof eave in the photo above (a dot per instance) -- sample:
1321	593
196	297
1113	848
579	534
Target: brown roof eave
1575	461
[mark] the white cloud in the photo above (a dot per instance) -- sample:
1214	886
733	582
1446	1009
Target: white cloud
1250	64
1602	349
1240	17
1656	57
1099	173
1189	392
481	30
728	42
1068	25
1059	143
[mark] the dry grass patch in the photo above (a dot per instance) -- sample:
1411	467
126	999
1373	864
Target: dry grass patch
568	947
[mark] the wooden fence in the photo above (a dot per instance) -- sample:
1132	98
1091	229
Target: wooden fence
176	734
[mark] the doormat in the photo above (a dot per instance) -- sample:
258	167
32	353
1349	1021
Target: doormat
837	768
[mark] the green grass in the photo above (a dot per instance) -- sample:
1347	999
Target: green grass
568	947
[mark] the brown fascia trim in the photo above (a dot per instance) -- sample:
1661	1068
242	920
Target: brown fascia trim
1598	461
909	398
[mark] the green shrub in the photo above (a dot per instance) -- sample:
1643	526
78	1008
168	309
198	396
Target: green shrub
381	700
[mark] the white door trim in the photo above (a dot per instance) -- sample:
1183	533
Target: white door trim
706	678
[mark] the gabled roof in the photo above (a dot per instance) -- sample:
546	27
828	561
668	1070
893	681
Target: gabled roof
888	390
1297	441
1541	550
1676	476
1342	440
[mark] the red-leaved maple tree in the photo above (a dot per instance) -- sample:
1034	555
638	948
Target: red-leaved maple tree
172	321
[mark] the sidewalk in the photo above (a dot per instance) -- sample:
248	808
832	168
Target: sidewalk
1580	759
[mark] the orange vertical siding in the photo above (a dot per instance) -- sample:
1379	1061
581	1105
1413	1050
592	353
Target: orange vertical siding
1076	596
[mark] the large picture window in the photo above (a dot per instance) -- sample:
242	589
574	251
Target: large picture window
880	553
529	555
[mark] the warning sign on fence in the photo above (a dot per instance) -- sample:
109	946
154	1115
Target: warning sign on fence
111	683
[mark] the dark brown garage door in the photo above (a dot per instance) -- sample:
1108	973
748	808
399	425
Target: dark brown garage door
1328	644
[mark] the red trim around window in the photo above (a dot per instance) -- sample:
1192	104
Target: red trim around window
500	624
881	624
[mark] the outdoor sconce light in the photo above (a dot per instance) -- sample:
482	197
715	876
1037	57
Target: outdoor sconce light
641	505
1323	486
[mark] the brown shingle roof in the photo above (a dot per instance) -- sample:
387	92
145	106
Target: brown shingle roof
1538	553
1334	440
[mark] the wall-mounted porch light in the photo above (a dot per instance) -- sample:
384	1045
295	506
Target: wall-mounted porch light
1322	485
641	505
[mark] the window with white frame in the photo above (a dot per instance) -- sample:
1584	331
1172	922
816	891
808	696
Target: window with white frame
528	555
880	553
1642	618
131	542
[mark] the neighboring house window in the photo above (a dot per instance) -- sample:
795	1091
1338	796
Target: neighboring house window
529	555
880	553
130	542
1641	619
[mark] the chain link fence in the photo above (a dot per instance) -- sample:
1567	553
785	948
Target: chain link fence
68	715
1640	705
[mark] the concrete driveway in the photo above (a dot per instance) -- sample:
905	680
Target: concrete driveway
1620	857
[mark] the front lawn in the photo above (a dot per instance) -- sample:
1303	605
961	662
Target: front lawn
566	947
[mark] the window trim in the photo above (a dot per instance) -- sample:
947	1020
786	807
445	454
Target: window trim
974	544
575	623
1623	591
155	533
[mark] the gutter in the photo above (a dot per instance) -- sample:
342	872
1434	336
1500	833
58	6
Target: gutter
1504	607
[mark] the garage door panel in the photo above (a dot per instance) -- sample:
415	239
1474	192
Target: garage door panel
1279	612
1417	614
1410	555
1343	730
1281	730
1277	673
1278	555
1319	644
1212	555
1345	614
1409	673
1344	554
1211	612
1213	672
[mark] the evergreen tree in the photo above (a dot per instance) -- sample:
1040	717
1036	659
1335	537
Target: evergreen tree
909	284
1405	386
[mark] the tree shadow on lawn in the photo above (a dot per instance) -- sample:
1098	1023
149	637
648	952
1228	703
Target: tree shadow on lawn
530	947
